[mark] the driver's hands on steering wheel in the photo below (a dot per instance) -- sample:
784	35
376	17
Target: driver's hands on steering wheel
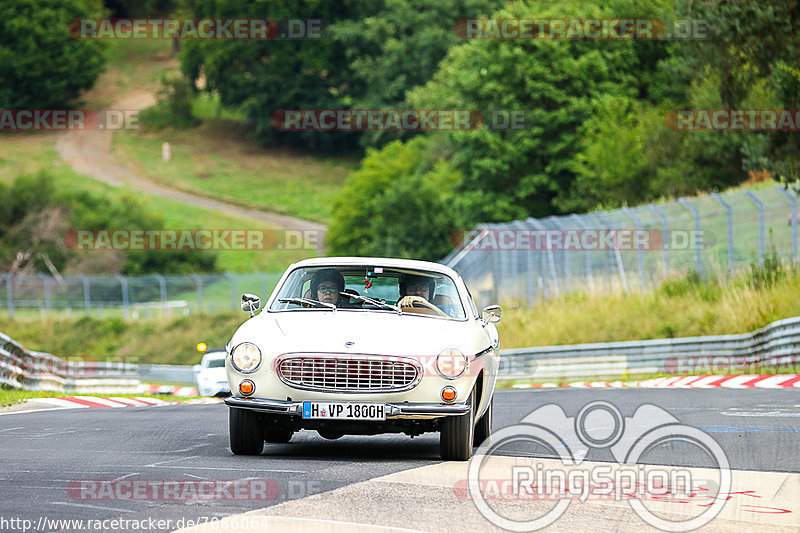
409	301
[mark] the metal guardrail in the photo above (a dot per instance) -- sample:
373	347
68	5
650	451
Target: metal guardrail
30	370
177	374
767	350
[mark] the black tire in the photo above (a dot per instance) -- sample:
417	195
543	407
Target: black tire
275	435
457	435
246	434
483	429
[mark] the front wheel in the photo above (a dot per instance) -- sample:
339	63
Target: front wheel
457	434
246	433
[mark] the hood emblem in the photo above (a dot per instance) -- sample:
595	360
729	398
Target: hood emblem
349	343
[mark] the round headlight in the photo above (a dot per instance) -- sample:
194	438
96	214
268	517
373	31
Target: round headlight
246	357
451	363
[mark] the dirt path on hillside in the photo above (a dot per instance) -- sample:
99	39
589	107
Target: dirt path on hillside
89	152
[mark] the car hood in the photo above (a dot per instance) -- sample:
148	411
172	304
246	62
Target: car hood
369	332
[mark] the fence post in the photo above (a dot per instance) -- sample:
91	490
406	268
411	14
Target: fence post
696	213
550	260
761	243
233	290
46	286
566	254
727	207
582	226
494	274
87	300
637	224
125	296
793	200
664	235
199	282
617	255
9	294
162	288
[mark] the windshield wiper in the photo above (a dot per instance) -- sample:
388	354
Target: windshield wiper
373	302
306	301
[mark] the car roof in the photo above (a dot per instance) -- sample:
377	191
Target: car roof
378	261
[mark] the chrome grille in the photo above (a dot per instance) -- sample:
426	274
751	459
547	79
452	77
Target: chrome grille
348	374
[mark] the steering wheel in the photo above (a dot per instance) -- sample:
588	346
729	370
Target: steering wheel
423	304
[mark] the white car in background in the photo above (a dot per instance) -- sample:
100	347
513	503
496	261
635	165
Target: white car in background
210	374
370	362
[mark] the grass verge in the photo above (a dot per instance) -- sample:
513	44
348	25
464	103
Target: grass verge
681	307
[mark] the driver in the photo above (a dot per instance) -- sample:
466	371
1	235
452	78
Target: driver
326	284
417	289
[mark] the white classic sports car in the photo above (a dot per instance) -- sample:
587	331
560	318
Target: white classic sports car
362	345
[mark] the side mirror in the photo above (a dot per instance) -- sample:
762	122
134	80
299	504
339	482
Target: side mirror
491	314
250	304
196	369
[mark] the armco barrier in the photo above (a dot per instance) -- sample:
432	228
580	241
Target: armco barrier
772	349
30	370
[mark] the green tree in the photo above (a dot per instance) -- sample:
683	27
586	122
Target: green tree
264	76
399	47
400	203
750	43
41	65
512	174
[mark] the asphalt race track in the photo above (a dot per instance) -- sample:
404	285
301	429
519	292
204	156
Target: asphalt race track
45	455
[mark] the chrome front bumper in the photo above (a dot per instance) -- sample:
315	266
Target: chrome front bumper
393	410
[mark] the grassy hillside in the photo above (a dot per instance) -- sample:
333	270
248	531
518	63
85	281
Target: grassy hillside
218	159
22	153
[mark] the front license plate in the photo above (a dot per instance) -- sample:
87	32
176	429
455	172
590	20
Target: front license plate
344	410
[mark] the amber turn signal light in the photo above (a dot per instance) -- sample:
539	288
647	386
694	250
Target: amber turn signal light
247	387
448	394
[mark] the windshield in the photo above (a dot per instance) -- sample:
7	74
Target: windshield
217	362
370	288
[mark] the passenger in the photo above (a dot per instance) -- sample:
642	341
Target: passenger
326	286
